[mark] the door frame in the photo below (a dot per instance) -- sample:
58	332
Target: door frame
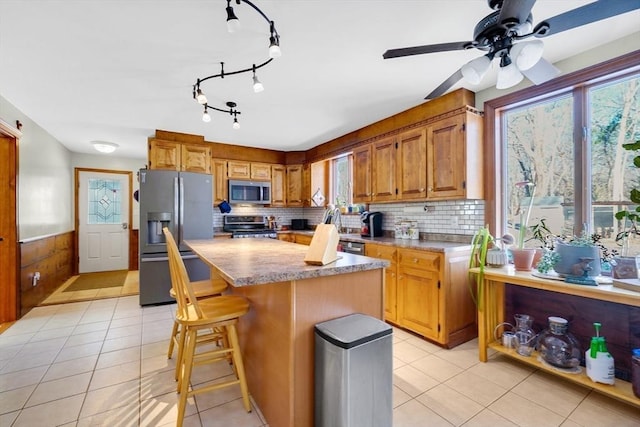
9	291
76	188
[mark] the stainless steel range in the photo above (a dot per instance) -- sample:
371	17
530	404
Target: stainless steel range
248	226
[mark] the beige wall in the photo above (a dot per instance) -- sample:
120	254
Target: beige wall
44	198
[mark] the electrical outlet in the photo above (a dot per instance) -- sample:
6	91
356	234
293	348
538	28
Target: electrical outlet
454	221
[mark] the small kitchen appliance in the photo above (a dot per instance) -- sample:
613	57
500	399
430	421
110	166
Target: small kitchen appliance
371	224
248	226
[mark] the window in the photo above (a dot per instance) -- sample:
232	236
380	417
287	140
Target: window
569	142
341	179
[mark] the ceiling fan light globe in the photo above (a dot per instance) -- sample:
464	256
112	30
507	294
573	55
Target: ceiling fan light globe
474	70
508	76
527	54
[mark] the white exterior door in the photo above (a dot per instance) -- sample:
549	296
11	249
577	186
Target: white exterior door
103	228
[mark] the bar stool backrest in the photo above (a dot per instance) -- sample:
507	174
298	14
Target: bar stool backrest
185	296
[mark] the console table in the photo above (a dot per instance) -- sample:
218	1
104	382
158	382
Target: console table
491	314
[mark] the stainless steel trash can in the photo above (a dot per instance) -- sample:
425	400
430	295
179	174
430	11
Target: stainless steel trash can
353	372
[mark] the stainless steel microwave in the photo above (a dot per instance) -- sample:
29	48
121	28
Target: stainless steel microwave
255	192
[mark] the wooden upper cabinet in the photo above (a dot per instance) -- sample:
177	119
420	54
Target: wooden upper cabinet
412	164
306	185
238	169
383	172
454	153
261	171
195	158
278	185
294	185
179	156
220	181
362	163
164	155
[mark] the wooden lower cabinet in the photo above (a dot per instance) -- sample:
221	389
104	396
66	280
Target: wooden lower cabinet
390	283
287	237
303	239
428	293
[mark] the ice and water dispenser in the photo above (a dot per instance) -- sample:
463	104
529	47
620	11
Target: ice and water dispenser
156	221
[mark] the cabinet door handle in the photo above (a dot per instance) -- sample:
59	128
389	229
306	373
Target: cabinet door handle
415	260
422	189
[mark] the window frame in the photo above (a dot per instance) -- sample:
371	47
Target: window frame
494	156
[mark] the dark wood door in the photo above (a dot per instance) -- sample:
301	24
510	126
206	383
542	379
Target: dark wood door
8	224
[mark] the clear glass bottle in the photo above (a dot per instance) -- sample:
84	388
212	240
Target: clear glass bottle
557	346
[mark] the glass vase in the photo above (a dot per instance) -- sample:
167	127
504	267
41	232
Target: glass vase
558	347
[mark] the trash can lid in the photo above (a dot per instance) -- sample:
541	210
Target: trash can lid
352	330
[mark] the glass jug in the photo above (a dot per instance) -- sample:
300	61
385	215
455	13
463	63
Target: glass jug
557	346
526	336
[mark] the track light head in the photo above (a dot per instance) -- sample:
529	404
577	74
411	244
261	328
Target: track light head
274	47
233	23
205	116
200	97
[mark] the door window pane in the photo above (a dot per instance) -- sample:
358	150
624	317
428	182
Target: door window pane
614	120
104	201
539	149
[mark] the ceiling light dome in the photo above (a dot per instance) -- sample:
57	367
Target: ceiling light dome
104	146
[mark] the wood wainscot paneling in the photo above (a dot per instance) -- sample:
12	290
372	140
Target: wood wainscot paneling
133	249
620	322
52	257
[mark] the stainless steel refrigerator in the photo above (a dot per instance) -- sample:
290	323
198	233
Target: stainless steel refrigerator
181	201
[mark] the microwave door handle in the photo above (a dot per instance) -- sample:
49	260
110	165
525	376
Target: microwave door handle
262	193
176	206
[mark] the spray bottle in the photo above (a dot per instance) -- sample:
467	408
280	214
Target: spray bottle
600	366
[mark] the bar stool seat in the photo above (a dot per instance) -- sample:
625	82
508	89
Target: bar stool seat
218	314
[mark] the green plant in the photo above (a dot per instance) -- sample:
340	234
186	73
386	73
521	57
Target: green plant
479	246
542	234
630	217
548	261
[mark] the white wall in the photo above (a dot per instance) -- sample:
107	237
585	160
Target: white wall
44	172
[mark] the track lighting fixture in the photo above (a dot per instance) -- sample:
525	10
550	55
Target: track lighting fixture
233	24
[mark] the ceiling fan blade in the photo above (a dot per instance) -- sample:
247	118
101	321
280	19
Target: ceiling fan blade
446	85
541	72
586	14
515	12
431	48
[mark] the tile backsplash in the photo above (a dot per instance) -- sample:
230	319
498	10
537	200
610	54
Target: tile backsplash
436	220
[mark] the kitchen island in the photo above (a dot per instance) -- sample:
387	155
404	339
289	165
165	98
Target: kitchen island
288	297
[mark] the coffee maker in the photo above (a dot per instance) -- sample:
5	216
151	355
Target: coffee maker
371	224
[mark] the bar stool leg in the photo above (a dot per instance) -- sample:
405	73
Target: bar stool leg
174	336
239	365
185	372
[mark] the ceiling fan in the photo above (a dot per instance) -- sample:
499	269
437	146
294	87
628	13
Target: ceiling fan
498	33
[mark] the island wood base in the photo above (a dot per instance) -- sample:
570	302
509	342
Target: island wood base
277	336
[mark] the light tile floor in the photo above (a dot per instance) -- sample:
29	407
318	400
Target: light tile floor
104	363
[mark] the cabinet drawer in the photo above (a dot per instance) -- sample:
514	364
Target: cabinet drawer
381	251
419	259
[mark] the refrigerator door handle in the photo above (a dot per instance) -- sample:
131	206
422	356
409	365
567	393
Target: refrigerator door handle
181	216
176	213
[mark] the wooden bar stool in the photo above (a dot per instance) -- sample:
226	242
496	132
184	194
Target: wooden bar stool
218	314
201	289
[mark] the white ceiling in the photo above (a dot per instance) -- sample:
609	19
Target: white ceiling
116	70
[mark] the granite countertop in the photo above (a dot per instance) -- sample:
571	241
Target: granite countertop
424	245
243	262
